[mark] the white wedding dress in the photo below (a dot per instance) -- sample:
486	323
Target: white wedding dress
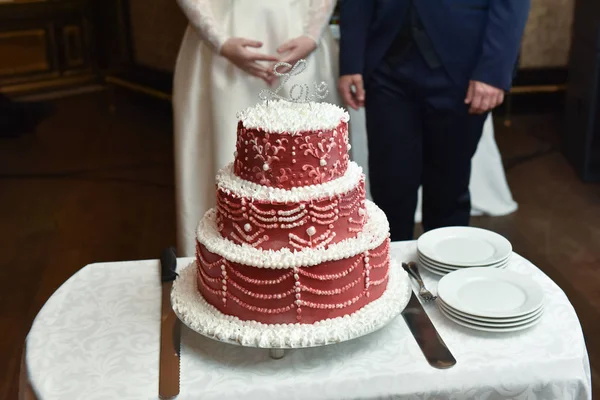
209	91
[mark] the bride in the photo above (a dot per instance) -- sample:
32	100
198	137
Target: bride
225	60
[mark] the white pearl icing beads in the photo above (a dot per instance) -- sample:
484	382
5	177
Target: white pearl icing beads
323	162
265	167
235	154
311	231
247	227
349	146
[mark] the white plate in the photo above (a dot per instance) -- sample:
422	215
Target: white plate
464	246
488	329
439	264
493	323
423	262
434	271
441	271
460	314
490	292
434	264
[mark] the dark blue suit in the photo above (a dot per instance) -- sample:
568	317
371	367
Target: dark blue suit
475	39
418	125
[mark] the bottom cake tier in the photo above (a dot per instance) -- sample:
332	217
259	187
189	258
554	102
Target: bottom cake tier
194	311
303	287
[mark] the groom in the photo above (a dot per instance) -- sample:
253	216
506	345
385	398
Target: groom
428	72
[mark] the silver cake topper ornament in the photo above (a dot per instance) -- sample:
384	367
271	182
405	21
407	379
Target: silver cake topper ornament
304	95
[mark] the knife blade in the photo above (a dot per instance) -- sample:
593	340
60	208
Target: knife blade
433	347
168	374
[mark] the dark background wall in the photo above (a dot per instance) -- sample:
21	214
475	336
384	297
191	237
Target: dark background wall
47	41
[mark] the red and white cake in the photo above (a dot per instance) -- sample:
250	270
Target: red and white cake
293	255
292	239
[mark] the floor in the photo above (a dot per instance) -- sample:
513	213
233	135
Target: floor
91	186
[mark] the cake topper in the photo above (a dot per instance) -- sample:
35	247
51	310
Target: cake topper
304	95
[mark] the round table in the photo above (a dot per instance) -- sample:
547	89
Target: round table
98	336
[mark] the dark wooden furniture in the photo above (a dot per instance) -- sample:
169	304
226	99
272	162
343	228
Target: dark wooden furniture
46	44
581	136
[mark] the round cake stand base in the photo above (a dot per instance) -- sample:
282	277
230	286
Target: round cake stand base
276	354
198	315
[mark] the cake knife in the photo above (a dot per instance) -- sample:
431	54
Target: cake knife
168	374
433	347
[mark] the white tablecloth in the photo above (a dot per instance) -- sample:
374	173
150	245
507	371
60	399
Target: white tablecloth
97	337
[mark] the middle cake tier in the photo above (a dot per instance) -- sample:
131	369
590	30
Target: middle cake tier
305	217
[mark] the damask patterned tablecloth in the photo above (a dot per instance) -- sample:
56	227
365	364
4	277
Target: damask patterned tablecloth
97	337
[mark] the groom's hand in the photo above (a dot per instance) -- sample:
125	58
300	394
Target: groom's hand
353	98
483	97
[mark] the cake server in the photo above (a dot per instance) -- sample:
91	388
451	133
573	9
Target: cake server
433	347
168	374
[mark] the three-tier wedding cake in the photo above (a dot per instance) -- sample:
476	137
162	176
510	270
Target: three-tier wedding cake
292	239
292	243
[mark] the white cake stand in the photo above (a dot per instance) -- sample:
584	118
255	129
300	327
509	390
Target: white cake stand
193	310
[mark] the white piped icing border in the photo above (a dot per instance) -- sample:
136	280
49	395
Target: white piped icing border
292	118
193	310
231	183
374	232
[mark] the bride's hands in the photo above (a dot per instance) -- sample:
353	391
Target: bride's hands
296	49
237	52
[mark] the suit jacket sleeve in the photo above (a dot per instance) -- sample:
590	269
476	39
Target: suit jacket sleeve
502	42
355	18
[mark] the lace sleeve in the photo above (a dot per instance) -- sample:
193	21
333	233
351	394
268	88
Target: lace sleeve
201	16
319	15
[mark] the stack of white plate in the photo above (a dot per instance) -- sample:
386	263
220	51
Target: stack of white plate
444	250
490	300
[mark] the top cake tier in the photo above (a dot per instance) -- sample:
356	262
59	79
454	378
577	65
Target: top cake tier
286	145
